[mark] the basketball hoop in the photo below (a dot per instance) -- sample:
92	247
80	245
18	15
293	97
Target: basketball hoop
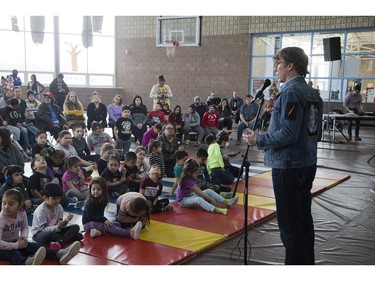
171	47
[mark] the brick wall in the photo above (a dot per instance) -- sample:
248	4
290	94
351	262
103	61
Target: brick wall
220	64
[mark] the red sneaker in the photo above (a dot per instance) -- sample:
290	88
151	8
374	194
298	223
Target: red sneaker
54	246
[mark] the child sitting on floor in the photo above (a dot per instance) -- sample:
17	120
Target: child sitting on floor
132	207
156	156
80	144
203	179
152	133
151	188
14	178
189	194
14	244
115	178
132	174
73	180
142	162
180	156
215	163
106	152
93	219
49	225
39	178
41	143
55	164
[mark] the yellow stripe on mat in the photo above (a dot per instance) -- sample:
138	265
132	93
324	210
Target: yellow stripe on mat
180	237
328	183
256	201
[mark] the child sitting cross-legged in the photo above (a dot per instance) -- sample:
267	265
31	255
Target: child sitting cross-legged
189	194
14	178
49	226
132	174
14	231
41	143
142	161
41	176
73	180
106	152
180	156
93	219
115	178
151	188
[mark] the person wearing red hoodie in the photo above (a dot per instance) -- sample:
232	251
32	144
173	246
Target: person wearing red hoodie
210	122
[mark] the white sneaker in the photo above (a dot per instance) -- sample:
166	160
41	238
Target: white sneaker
65	255
95	233
38	257
136	230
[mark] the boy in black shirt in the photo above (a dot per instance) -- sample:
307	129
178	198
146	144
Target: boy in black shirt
115	178
203	179
41	143
123	130
132	174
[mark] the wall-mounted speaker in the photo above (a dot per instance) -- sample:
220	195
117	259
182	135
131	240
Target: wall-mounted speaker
332	49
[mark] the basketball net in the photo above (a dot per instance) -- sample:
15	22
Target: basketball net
171	47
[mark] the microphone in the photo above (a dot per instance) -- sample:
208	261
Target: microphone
259	94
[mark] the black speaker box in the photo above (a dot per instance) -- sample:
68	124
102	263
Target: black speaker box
332	49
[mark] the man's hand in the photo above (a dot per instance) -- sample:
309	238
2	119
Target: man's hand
251	137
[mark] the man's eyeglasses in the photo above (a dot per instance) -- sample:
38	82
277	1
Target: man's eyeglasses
276	64
169	128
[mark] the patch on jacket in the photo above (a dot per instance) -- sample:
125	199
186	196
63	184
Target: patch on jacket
291	111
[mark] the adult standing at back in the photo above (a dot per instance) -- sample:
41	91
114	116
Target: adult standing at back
59	89
139	116
15	78
290	147
353	104
96	111
35	86
161	92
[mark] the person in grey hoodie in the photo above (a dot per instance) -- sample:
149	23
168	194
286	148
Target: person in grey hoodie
192	123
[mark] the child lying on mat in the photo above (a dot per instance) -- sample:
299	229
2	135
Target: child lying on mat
189	194
93	219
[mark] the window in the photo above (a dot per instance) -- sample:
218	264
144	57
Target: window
185	30
85	61
339	77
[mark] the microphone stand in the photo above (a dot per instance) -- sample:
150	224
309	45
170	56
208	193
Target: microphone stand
246	164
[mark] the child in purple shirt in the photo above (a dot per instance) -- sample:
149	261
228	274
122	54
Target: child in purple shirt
189	195
151	134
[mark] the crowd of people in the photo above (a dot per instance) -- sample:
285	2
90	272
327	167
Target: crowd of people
62	173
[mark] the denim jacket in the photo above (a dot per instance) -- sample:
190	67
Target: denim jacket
295	127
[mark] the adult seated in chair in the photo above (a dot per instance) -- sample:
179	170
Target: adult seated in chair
73	110
50	116
248	114
268	107
235	104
